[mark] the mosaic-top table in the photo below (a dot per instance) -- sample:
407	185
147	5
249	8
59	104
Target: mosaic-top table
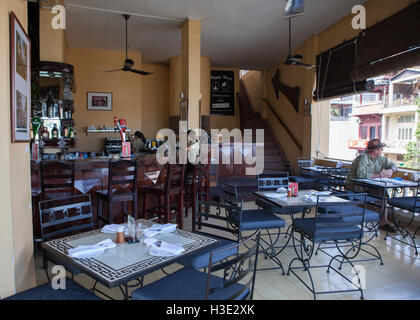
301	200
127	261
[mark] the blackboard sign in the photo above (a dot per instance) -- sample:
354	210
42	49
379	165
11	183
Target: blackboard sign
222	98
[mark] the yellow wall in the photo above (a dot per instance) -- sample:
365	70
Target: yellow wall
154	100
16	242
125	88
253	82
52	42
175	85
304	127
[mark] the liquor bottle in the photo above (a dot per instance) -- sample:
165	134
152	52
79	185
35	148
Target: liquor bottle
45	134
66	131
71	132
50	106
54	132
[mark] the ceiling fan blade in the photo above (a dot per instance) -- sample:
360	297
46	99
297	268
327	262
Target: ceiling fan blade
112	70
144	73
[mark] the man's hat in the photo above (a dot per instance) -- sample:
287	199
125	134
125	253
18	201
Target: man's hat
374	144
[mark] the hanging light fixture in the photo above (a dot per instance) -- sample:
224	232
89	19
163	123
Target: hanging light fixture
294	8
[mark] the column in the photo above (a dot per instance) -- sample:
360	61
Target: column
191	71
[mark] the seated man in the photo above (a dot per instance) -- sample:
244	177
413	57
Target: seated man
371	164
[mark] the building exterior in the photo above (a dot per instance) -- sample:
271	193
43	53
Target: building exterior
389	113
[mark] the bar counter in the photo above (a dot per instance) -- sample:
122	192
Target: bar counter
91	175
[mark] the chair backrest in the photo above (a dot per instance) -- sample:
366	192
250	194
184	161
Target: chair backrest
230	194
65	216
122	176
214	218
237	271
305	162
344	222
57	177
174	177
272	181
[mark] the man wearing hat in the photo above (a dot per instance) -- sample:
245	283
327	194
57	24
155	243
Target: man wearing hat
371	164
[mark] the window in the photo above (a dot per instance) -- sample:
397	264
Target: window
379	132
400	157
363	132
403	119
372	132
405	134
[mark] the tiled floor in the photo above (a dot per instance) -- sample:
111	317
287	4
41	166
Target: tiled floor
398	278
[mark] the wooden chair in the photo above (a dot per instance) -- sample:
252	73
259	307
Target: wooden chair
169	195
193	187
57	177
122	187
63	217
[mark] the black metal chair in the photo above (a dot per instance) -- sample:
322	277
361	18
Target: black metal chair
370	227
341	227
63	217
412	207
231	278
271	182
255	219
122	188
306	179
217	221
72	291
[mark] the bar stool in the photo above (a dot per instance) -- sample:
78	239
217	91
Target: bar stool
169	194
122	187
193	186
57	177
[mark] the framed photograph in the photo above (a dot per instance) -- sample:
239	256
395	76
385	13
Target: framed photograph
99	101
20	81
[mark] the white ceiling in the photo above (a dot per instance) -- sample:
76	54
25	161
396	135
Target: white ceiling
248	34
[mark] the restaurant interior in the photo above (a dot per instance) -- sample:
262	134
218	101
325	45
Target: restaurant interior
150	146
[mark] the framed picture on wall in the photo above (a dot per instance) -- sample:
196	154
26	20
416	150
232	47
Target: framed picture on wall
99	101
20	81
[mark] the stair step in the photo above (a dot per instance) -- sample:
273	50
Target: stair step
271	151
273	158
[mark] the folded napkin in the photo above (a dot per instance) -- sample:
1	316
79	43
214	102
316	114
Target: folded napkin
159	228
162	249
311	198
114	228
88	251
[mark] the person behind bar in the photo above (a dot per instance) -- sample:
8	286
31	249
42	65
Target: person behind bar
138	143
371	164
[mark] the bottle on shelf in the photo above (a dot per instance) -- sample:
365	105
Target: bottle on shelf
71	132
54	132
66	131
50	106
44	108
45	134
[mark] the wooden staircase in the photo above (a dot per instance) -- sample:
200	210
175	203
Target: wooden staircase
275	159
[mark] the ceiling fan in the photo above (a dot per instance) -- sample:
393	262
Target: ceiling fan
295	60
128	63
